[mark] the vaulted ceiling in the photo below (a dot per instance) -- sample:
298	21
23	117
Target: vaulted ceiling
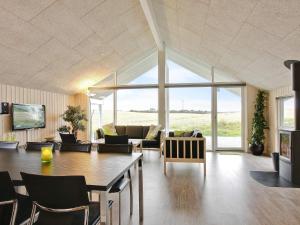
65	45
248	38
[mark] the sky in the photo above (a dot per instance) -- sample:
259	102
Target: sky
180	98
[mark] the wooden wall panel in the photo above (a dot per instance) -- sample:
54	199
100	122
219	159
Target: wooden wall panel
83	101
55	104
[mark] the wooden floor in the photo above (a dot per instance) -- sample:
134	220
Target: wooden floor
228	195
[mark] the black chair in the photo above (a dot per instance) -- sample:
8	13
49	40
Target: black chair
68	138
122	183
114	148
113	139
36	146
115	144
14	208
61	200
4	145
76	147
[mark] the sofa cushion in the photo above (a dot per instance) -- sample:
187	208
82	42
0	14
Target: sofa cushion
188	134
109	129
100	133
111	139
153	131
121	130
197	133
134	132
145	131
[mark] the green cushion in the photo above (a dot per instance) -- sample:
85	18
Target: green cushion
152	133
109	129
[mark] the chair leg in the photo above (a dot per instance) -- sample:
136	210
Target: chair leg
86	216
32	214
131	192
111	216
14	213
90	195
165	168
119	208
204	169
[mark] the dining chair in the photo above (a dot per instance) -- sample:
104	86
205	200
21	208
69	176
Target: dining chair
123	182
76	147
68	138
14	208
36	146
5	145
61	200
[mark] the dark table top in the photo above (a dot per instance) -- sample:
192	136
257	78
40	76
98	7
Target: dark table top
101	171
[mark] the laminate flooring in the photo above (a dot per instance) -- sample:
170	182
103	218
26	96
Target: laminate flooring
227	196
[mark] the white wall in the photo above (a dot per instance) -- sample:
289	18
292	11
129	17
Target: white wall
55	104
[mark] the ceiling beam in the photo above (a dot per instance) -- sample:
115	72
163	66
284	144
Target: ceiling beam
151	19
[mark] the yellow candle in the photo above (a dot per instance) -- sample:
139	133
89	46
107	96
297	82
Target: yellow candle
46	154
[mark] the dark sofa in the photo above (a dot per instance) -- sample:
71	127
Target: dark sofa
135	132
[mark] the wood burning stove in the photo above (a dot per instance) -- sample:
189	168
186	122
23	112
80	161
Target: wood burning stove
289	140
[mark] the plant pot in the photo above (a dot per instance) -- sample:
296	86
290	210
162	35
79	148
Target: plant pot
257	149
75	133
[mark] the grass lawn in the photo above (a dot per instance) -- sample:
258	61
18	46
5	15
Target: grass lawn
228	123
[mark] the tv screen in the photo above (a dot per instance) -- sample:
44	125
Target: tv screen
28	116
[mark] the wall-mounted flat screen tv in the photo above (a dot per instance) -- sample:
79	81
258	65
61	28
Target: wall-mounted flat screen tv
25	116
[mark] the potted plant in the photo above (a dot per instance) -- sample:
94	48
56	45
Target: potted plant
76	117
259	124
64	129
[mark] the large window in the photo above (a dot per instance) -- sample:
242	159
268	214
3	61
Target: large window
179	74
101	111
137	107
95	116
197	97
190	109
229	118
143	72
286	112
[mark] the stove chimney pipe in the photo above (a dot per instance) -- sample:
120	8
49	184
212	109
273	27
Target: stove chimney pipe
294	66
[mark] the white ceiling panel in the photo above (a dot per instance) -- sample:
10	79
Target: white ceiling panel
81	8
60	22
271	18
18	34
94	48
53	51
25	9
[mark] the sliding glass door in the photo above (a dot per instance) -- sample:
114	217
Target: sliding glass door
190	109
229	126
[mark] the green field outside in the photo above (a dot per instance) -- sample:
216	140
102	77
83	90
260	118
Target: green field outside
228	123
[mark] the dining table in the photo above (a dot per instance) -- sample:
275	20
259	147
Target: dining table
101	170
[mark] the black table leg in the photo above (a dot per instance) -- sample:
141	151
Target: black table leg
141	191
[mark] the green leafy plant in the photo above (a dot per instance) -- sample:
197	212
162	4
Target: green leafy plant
259	123
64	129
76	117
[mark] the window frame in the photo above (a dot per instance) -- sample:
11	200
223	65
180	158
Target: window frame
280	112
